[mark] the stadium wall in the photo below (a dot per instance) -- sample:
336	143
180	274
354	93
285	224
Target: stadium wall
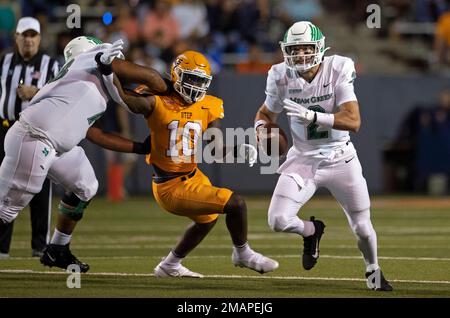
384	103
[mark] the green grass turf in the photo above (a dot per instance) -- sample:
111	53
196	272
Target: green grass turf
124	242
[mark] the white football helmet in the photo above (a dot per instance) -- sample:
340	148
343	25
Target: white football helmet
303	46
80	45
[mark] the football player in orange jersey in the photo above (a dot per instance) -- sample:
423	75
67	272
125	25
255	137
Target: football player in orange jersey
176	121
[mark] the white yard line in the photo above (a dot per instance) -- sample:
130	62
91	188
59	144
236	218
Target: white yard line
229	246
401	258
19	271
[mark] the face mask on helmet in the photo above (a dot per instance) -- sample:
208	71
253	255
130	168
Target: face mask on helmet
192	85
302	55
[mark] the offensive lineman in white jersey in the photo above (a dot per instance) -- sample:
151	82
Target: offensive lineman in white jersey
317	93
44	140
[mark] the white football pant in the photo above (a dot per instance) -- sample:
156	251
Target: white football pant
28	160
342	176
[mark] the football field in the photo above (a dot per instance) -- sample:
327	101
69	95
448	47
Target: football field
124	242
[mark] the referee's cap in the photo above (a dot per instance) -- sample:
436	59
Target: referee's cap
28	23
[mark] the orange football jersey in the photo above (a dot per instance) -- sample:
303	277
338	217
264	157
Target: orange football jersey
176	128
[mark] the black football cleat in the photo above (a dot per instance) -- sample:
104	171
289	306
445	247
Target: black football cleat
376	281
311	245
61	256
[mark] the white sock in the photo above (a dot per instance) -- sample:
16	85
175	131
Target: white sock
372	267
172	260
243	251
60	238
308	229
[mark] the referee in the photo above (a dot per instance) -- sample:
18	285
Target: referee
22	73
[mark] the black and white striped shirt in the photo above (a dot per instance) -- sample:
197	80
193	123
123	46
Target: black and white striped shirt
15	71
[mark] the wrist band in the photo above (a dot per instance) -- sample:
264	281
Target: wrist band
325	120
259	123
103	68
138	148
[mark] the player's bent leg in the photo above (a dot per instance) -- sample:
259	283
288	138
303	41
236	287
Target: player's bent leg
243	255
170	266
82	186
194	234
58	253
75	173
23	171
352	194
361	226
287	199
236	219
197	199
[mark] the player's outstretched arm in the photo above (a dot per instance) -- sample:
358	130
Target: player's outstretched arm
117	143
132	73
137	103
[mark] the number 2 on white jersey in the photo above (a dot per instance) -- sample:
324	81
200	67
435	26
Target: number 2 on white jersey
313	131
186	139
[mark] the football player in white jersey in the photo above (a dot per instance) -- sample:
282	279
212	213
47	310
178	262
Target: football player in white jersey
317	93
43	142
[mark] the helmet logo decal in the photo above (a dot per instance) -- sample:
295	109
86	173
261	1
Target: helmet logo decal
177	62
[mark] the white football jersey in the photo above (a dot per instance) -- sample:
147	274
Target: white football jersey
331	87
64	109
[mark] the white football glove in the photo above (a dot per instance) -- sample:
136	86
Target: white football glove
304	115
249	153
111	52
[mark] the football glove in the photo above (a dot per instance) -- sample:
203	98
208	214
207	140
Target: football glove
303	114
111	52
249	153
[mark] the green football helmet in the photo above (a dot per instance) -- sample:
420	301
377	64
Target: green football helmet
303	46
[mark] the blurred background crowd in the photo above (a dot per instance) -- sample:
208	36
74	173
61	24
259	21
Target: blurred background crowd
241	37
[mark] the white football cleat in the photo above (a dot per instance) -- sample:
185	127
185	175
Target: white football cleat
162	271
256	262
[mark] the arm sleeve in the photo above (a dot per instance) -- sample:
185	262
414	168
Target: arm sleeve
344	88
274	101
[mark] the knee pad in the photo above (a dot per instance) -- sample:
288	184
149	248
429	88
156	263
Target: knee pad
72	207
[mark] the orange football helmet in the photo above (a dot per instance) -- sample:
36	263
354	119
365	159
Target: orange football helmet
191	76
